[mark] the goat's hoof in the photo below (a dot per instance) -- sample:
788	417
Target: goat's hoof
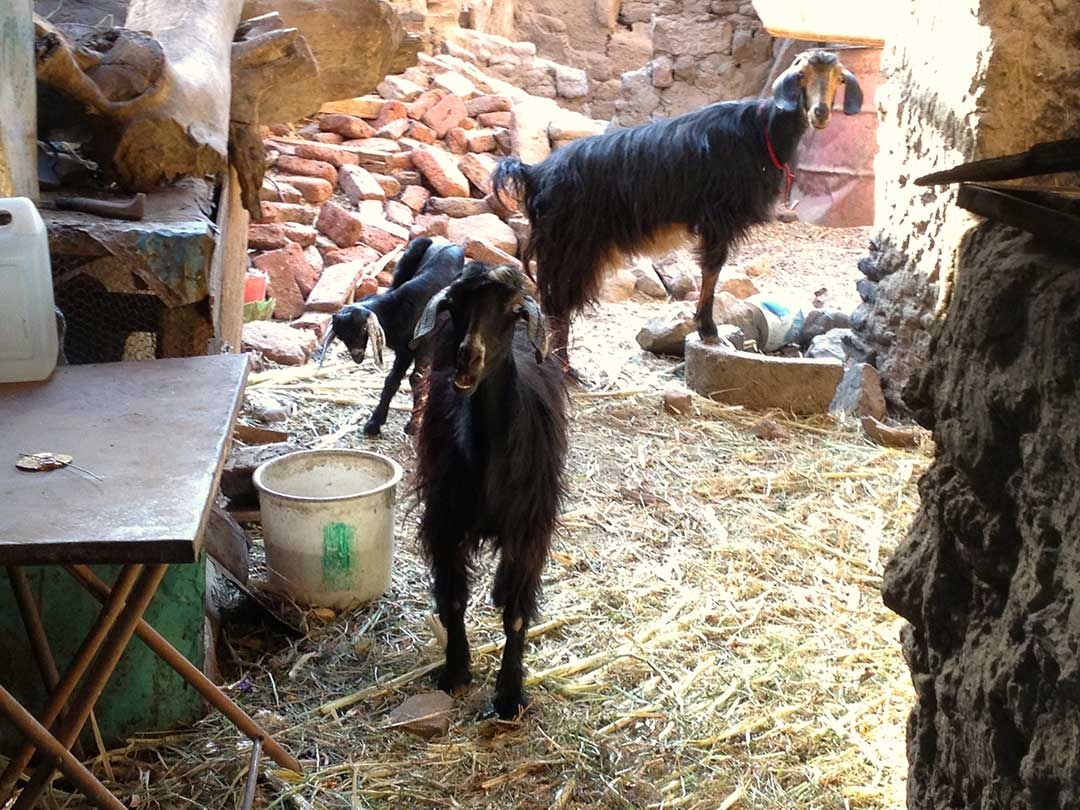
452	681
712	340
372	428
508	707
573	376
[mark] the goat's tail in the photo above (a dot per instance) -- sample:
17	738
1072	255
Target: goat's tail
510	181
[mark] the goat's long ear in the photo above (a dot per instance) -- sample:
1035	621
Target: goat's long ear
535	327
852	94
376	338
429	316
787	91
326	344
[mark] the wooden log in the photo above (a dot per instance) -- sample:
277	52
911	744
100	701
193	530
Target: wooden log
187	133
273	77
116	72
355	42
274	72
18	132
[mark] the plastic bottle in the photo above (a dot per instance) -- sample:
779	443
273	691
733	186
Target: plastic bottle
28	340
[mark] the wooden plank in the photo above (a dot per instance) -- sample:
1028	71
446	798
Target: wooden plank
1026	213
168	252
154	434
1043	158
228	267
18	101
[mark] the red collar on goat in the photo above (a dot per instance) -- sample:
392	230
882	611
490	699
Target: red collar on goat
789	175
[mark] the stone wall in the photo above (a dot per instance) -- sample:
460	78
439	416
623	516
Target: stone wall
989	576
520	64
634	58
966	80
702	51
605	38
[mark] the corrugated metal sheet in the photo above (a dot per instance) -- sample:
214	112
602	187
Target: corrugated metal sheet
851	21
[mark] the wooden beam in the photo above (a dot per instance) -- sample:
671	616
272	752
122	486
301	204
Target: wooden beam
187	134
1042	158
228	268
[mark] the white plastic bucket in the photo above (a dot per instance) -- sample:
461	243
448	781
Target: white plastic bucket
328	524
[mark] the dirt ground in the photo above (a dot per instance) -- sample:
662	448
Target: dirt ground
712	634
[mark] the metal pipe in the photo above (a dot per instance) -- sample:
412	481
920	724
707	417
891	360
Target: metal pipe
74	770
35	630
193	675
96	677
253	774
87	650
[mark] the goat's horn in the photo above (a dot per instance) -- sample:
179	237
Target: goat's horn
505	274
376	337
428	317
536	327
326	344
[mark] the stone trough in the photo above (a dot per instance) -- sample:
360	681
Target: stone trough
757	381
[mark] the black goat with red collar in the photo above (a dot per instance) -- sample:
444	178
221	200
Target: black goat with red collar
708	175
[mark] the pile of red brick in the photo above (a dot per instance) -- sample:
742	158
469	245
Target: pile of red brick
347	191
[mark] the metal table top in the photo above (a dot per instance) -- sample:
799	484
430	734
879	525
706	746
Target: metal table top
153	437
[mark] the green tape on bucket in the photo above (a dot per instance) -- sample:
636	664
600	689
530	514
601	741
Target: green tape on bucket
337	547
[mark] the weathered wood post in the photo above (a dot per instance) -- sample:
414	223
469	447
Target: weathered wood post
18	101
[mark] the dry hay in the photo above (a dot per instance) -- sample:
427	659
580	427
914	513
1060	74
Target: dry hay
712	632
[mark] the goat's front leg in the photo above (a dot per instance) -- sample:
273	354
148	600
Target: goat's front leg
416	384
390	387
712	258
450	574
516	589
559	337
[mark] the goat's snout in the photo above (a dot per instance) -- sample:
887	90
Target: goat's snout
820	114
470	365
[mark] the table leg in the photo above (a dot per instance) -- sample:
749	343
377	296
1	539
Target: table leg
85	655
193	675
97	676
74	770
35	630
253	775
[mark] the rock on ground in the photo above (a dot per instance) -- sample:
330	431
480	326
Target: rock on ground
859	393
441	170
819	321
665	333
760	382
486	227
278	342
829	345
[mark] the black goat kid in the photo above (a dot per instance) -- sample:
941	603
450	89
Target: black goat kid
709	174
490	457
426	266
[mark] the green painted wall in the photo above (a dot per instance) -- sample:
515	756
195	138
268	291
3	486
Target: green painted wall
144	693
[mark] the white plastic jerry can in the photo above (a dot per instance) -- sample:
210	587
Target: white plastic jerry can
28	340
